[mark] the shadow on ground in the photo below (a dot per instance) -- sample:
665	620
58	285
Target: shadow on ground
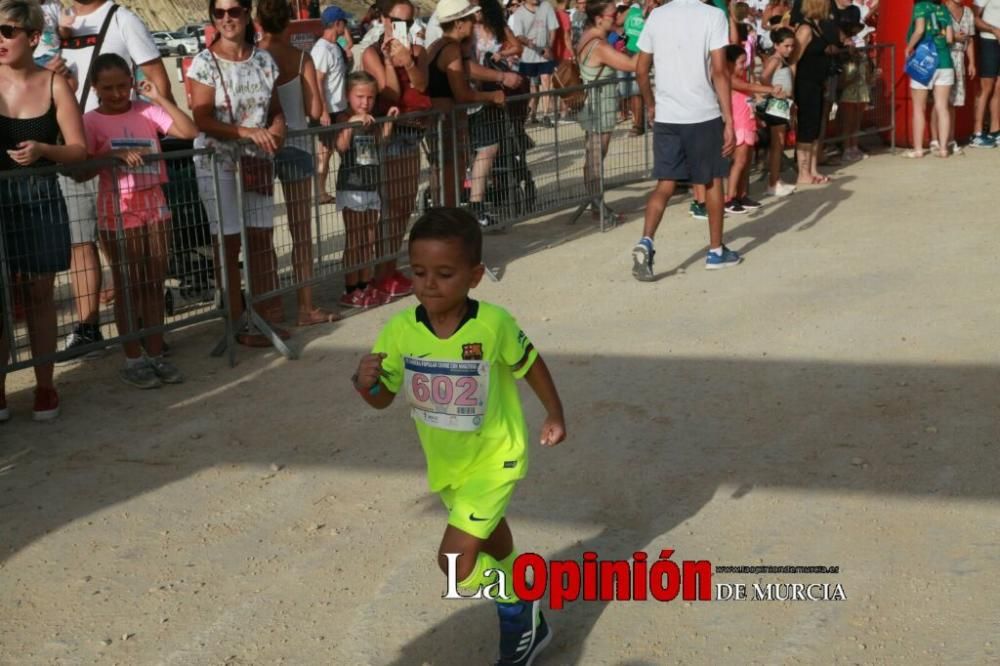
651	442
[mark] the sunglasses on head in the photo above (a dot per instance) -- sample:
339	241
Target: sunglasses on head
232	12
8	31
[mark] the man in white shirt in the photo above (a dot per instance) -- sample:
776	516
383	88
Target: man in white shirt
535	25
988	24
127	36
331	69
693	120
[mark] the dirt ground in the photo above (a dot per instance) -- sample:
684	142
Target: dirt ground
833	401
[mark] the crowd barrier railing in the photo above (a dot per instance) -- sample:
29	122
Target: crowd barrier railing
178	269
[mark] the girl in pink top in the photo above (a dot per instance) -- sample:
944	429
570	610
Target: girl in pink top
745	126
132	213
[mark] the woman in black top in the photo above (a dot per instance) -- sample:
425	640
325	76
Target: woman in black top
36	107
811	72
447	85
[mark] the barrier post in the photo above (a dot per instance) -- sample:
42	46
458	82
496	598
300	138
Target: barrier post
254	321
228	342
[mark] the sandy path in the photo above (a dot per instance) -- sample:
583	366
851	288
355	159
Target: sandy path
832	401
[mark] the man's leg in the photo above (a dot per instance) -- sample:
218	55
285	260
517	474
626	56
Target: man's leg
656	205
85	265
546	86
715	203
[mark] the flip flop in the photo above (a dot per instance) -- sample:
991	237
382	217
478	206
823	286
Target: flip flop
325	199
914	154
821	180
318	316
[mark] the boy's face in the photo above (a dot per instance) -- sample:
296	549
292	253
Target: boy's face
442	274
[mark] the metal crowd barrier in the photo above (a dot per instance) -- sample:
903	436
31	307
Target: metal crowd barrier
492	159
861	84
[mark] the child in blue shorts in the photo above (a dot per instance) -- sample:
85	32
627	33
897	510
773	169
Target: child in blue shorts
458	360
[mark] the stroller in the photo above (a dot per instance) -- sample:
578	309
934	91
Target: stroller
191	264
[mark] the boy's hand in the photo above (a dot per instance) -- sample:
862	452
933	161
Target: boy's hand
369	371
553	431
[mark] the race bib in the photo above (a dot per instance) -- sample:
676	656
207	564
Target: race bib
450	395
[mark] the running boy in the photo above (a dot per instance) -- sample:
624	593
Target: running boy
458	359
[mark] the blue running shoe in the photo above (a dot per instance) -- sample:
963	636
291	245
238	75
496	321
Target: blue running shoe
642	260
725	260
523	633
982	141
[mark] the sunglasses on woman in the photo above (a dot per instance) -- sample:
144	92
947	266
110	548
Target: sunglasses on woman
235	13
9	31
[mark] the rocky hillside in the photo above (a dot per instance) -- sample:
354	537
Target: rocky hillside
171	14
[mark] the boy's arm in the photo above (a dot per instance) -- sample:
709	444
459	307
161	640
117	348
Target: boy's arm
540	381
368	383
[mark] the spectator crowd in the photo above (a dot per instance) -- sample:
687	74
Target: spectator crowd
718	84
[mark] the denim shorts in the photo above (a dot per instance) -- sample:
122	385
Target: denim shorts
293	164
35	225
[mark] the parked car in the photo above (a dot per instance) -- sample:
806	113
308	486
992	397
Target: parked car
170	43
160	38
196	30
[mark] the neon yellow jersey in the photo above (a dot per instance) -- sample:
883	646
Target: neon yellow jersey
462	391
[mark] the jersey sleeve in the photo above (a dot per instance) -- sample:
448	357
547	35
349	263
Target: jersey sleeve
140	44
516	350
392	365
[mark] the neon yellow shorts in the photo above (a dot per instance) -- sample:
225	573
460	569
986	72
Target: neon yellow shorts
478	505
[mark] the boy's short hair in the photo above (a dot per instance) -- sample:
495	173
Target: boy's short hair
451	224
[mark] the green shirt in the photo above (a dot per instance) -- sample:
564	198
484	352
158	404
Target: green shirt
462	391
936	20
634	21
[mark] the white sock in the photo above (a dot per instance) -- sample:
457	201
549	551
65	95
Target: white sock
716	250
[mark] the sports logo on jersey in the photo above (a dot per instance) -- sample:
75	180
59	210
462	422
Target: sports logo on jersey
472	351
522	339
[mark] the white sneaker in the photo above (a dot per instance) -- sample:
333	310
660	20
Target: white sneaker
780	190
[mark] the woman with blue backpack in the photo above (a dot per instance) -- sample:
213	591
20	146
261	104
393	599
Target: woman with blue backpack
929	64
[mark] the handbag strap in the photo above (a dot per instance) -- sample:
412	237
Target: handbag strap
88	83
222	82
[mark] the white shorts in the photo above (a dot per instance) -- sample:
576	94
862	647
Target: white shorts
81	204
942	77
257	209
